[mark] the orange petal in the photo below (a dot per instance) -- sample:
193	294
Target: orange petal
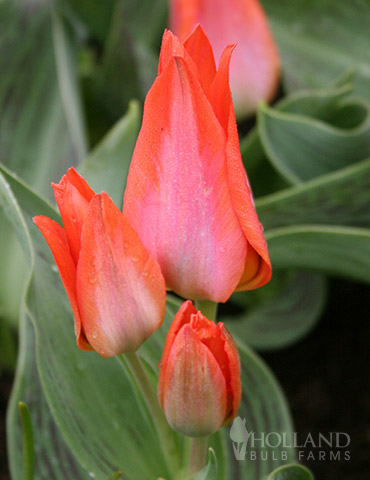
200	50
56	239
182	316
73	195
120	288
177	196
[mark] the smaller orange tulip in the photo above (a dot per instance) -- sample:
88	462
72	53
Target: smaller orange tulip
255	66
199	381
115	287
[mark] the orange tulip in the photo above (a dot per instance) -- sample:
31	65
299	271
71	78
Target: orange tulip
255	67
116	289
187	194
199	385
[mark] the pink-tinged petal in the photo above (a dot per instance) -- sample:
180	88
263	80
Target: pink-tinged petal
73	196
255	67
194	399
57	241
200	50
177	196
183	316
120	288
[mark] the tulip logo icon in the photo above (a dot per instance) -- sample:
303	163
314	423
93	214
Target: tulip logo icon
239	436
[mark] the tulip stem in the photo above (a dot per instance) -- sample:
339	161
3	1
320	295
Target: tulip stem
198	454
133	364
208	308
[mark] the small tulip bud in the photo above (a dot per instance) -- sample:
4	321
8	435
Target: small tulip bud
199	382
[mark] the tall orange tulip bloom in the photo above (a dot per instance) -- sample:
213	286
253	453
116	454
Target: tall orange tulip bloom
115	288
187	193
255	66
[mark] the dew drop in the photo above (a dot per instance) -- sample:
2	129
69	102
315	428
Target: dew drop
54	268
92	277
94	334
145	273
134	259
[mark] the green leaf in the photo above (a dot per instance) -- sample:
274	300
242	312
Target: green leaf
339	251
41	126
302	148
106	167
338	198
286	317
28	463
35	137
318	40
291	472
50	449
209	472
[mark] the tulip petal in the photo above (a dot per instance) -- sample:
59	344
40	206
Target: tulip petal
182	317
120	288
194	397
200	50
73	195
57	241
178	189
233	379
240	190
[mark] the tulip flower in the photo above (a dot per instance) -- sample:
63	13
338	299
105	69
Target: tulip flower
187	194
199	385
115	287
255	67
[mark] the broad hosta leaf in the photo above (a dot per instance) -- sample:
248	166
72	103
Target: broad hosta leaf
338	198
318	40
291	472
71	379
302	148
106	167
336	250
209	472
285	317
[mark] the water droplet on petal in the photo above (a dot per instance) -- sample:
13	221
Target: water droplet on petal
145	273
92	277
94	334
134	259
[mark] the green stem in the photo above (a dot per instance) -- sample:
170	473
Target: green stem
208	308
198	454
132	362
